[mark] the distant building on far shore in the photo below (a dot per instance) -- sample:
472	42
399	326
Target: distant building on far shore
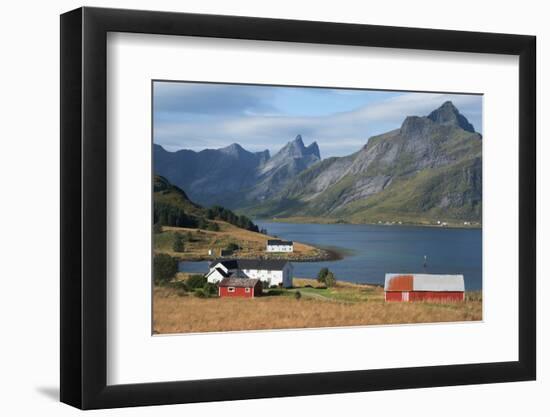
276	245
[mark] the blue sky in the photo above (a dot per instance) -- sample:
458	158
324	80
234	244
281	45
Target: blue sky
197	116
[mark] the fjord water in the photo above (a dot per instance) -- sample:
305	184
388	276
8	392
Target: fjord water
371	251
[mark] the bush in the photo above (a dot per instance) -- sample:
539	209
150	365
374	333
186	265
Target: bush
232	247
196	281
177	245
199	293
179	286
297	295
213	227
210	289
164	268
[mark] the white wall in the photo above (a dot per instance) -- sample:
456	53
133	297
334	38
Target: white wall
29	173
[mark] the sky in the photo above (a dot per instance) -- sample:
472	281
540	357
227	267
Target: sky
198	116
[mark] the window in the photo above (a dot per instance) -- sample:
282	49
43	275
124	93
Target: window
247	289
230	289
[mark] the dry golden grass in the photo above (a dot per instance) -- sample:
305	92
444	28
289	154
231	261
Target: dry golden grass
174	313
252	244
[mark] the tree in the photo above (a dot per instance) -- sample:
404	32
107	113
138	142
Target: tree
177	246
322	274
330	279
164	268
157	228
327	277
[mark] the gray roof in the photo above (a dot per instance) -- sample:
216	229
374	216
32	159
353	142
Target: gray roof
238	282
265	264
221	271
432	282
280	242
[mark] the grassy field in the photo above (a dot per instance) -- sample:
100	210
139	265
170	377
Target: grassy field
252	244
346	304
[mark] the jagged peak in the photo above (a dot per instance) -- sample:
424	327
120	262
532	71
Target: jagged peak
297	149
233	147
298	140
448	114
313	149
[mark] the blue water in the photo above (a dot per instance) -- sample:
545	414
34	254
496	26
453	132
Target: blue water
371	251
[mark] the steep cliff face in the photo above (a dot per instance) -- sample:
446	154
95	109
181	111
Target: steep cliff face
277	172
211	176
232	176
430	166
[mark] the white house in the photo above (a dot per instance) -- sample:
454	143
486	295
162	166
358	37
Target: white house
272	271
276	245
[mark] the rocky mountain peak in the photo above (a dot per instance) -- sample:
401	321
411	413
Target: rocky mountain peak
313	149
234	149
448	114
414	126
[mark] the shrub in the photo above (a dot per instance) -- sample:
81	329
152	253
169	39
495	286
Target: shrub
178	246
213	227
297	295
232	247
164	268
196	281
199	293
210	289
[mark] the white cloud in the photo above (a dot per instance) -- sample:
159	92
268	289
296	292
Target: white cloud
337	134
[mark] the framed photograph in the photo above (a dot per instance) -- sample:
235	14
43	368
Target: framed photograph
256	208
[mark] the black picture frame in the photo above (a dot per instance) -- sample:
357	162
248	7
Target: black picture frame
84	207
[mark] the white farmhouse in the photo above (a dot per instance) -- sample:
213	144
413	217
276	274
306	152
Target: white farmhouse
272	271
276	245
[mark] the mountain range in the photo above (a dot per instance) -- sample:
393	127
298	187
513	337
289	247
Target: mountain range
428	168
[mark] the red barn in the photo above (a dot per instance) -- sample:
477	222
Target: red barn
424	287
239	287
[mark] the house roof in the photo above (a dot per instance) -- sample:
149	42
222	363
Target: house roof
266	264
220	270
423	282
238	282
280	242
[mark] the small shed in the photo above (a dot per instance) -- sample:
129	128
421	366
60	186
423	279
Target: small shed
424	287
239	287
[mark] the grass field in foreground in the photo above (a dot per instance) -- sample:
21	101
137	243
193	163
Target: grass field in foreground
344	305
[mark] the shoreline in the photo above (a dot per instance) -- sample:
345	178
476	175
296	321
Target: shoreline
314	220
328	254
